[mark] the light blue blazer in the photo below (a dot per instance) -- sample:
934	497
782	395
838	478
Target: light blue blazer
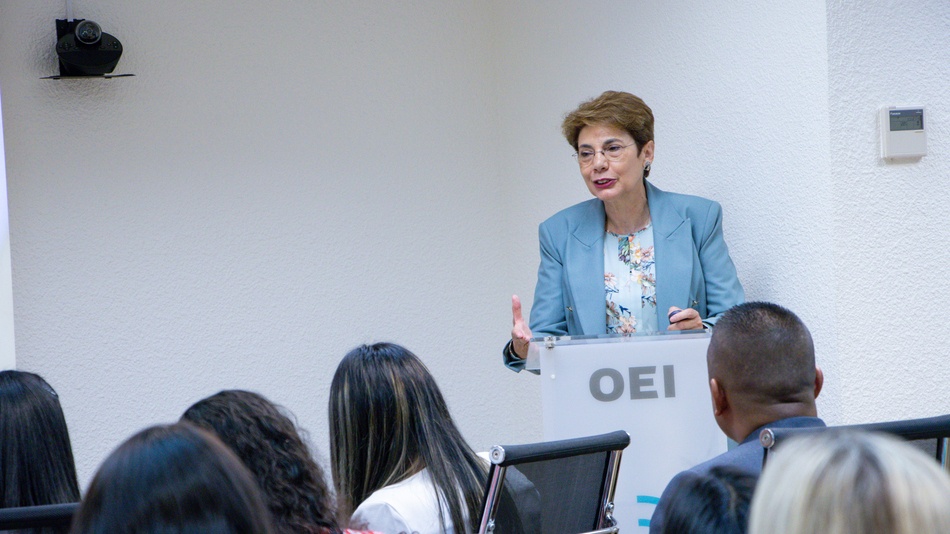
693	267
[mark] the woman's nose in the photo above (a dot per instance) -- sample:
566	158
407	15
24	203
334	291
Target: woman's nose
600	160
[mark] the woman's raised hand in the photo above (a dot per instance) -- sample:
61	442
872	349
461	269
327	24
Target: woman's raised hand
520	333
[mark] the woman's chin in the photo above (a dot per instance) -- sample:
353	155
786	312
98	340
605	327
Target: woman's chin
607	194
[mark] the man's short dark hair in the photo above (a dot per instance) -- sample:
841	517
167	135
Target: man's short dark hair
764	351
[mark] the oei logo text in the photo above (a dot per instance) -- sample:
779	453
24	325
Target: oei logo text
607	385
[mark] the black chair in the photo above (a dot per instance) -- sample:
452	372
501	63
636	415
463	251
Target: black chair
920	431
47	515
555	487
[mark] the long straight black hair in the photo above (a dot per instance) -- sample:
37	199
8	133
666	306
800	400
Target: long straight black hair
388	421
36	457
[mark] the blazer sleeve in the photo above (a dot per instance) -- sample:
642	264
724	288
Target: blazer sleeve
548	317
723	289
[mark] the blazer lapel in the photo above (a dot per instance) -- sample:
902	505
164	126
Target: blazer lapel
673	249
585	270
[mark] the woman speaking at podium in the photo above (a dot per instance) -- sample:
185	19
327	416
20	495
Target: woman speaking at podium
634	259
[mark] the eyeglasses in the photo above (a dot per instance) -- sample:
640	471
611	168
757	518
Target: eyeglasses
585	156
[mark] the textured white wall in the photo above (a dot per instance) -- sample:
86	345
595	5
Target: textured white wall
244	211
279	182
892	220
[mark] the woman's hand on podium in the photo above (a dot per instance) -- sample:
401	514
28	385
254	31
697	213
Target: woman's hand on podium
520	333
687	319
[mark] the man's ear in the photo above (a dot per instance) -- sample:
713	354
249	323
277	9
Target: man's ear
819	380
720	402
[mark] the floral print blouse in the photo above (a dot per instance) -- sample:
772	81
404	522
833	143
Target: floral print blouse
630	282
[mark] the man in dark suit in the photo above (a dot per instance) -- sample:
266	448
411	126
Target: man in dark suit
762	373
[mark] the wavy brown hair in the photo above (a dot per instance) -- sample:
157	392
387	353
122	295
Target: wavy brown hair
265	438
613	108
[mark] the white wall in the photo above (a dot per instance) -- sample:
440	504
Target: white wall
892	220
244	211
278	183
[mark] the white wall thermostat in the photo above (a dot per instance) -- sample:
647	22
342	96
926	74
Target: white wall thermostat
902	132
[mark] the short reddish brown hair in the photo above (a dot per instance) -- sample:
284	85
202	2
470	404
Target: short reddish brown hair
615	108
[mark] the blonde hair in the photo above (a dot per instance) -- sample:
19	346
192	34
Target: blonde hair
850	482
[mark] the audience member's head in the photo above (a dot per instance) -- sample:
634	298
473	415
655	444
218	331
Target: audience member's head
266	439
761	368
850	483
388	421
36	458
716	502
172	479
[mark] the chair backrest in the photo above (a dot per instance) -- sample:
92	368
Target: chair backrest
47	515
931	434
560	487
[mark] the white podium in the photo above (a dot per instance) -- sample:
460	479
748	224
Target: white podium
653	386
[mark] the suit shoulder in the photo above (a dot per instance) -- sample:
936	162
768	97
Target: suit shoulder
744	457
569	215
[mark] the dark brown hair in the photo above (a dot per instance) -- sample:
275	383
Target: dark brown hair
173	478
267	441
36	459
